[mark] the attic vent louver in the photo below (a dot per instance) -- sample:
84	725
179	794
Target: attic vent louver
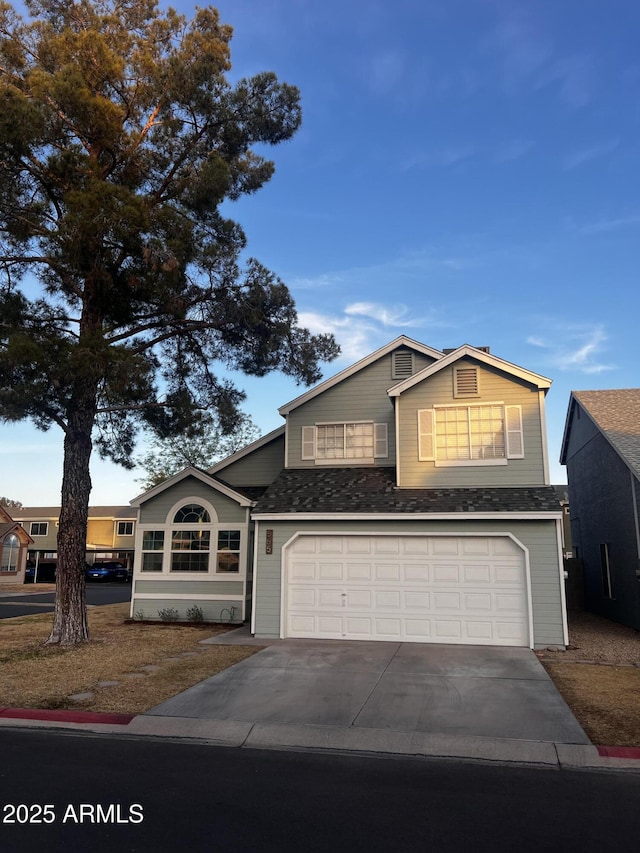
465	382
401	364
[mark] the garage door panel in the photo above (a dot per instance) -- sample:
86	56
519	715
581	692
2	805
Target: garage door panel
443	573
358	571
427	594
387	571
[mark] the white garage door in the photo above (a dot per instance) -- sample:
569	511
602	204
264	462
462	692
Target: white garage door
422	589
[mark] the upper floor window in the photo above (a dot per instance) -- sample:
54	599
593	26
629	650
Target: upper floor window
470	435
192	514
125	528
356	441
39	528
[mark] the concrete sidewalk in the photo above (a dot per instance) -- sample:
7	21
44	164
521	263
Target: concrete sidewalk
369	698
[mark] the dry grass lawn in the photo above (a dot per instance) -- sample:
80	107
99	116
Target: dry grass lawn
599	678
604	699
39	676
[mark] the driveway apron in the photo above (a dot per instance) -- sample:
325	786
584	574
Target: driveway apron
405	687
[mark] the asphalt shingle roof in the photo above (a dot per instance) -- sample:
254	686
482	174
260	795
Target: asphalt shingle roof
372	490
617	414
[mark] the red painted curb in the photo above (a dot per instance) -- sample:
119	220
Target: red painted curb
65	716
619	751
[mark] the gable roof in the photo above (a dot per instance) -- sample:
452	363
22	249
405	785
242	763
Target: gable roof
616	413
8	525
401	341
204	477
541	382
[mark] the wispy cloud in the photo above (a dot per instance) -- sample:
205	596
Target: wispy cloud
528	59
593	152
354	335
361	327
513	150
388	315
576	348
443	157
606	226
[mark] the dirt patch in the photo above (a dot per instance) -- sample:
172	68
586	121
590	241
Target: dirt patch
604	699
599	678
127	667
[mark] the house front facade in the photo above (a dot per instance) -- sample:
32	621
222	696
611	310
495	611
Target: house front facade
601	449
407	498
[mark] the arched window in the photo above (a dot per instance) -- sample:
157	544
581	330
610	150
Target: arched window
191	541
192	514
10	551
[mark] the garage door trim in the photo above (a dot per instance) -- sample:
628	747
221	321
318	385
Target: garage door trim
284	580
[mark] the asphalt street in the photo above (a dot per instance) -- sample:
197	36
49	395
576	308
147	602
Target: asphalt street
42	602
69	791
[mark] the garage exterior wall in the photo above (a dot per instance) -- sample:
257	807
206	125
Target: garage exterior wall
539	537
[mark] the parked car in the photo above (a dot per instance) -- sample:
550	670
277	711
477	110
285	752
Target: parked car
108	571
46	572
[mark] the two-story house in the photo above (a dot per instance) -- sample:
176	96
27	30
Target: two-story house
110	533
405	498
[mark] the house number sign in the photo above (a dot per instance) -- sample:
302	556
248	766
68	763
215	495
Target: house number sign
268	549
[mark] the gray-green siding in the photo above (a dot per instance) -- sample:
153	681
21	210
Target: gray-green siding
361	397
154	511
259	468
539	537
218	588
212	611
494	387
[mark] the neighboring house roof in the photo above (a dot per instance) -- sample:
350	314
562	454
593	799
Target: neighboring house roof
9	525
38	512
244	451
616	413
236	493
359	365
361	491
479	355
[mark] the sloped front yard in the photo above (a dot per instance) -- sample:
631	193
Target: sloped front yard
599	678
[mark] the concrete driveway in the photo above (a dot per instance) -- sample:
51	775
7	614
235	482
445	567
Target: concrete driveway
491	692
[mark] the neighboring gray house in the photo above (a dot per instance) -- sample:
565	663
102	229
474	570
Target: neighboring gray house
406	498
601	449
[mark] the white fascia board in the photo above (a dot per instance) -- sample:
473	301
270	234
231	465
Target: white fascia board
466	350
402	340
245	451
198	475
408	516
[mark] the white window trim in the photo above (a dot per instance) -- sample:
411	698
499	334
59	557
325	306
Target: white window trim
429	455
121	535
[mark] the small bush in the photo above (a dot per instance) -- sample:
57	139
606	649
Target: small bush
195	614
168	614
139	615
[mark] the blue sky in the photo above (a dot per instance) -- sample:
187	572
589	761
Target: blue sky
467	172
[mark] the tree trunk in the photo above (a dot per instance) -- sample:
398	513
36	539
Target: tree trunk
70	612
